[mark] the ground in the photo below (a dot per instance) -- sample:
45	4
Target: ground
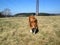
16	31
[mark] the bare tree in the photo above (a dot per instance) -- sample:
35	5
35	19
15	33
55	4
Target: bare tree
6	12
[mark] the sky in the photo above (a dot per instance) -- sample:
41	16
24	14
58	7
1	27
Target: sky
28	6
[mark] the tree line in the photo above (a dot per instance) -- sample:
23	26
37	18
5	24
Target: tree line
7	13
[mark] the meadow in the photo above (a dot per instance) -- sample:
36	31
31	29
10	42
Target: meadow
16	31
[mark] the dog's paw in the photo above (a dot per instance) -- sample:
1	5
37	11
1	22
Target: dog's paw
31	31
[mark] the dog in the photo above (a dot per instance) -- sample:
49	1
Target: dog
33	24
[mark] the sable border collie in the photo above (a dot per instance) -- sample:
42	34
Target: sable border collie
33	24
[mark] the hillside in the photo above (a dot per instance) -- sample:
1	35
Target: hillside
28	14
15	31
40	14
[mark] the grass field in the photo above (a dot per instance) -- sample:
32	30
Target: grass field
15	31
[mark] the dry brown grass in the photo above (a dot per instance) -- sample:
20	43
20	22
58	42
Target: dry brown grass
15	31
